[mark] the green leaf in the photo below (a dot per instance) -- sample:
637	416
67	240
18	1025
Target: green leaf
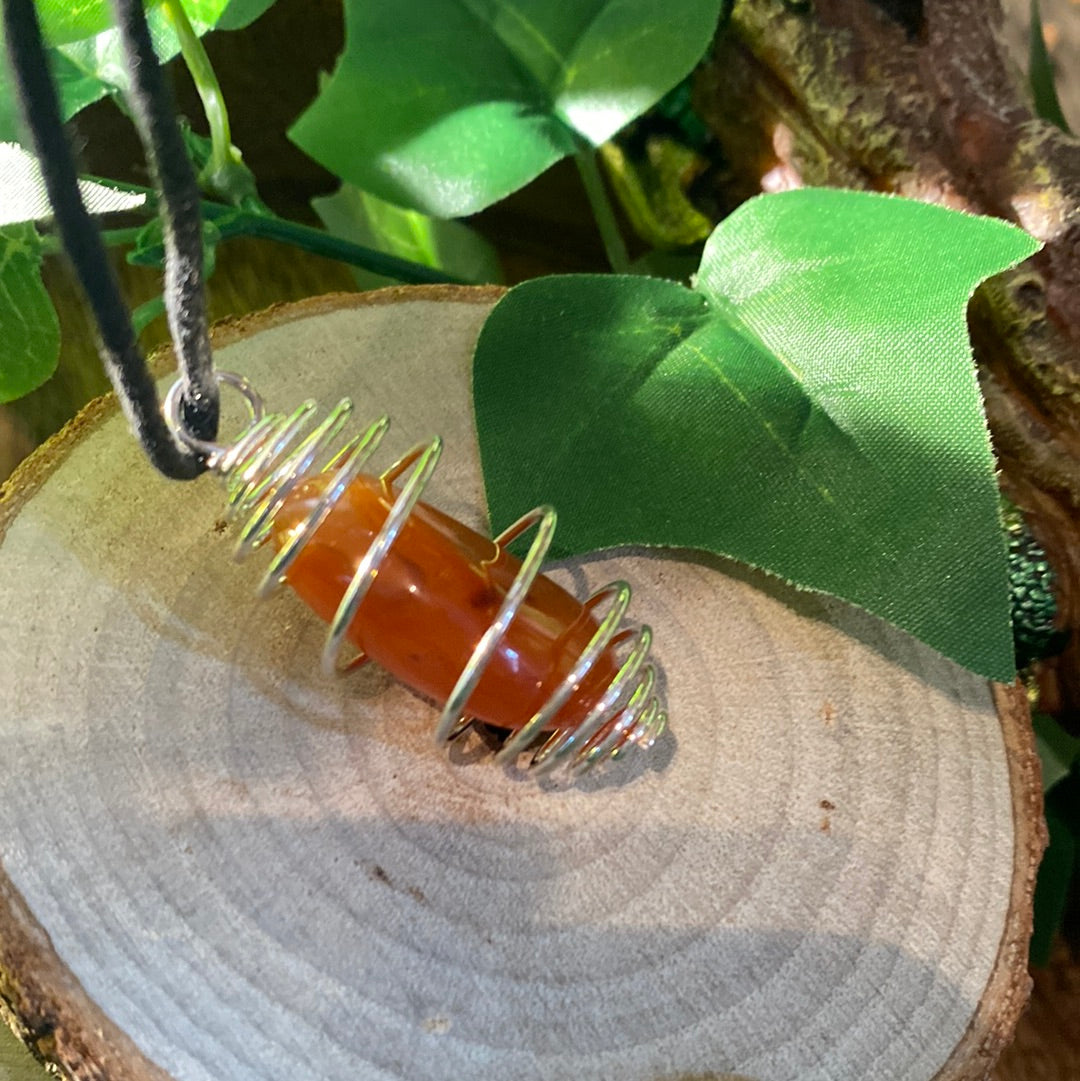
1041	73
23	196
88	67
28	325
10	122
452	104
809	408
1052	887
75	87
100	58
366	219
1058	751
67	21
1059	867
241	13
71	20
94	68
206	12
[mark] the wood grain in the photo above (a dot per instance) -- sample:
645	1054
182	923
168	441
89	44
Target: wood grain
219	864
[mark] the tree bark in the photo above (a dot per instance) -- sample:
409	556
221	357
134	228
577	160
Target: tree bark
922	100
218	863
1047	1043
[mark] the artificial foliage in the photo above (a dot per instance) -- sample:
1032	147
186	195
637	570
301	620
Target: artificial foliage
30	327
808	407
451	105
85	57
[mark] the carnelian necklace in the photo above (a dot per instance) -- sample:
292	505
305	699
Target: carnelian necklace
452	614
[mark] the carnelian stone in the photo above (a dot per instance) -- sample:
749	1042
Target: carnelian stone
437	591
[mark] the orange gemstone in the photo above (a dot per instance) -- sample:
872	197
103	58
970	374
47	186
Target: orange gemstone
437	591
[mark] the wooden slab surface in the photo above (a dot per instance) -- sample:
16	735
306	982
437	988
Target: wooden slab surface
217	864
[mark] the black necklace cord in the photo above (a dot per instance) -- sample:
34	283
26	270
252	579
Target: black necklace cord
185	298
117	343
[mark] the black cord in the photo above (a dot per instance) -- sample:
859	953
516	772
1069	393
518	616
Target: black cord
118	345
185	300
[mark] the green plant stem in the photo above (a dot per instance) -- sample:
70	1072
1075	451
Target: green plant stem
244	223
113	238
234	221
602	211
222	154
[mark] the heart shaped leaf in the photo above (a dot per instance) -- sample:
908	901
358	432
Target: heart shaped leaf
810	408
450	105
372	222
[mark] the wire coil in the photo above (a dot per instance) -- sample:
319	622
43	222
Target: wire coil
273	455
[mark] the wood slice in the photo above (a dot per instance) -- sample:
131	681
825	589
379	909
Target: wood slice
219	864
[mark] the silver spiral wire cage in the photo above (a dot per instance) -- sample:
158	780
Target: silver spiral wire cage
273	456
